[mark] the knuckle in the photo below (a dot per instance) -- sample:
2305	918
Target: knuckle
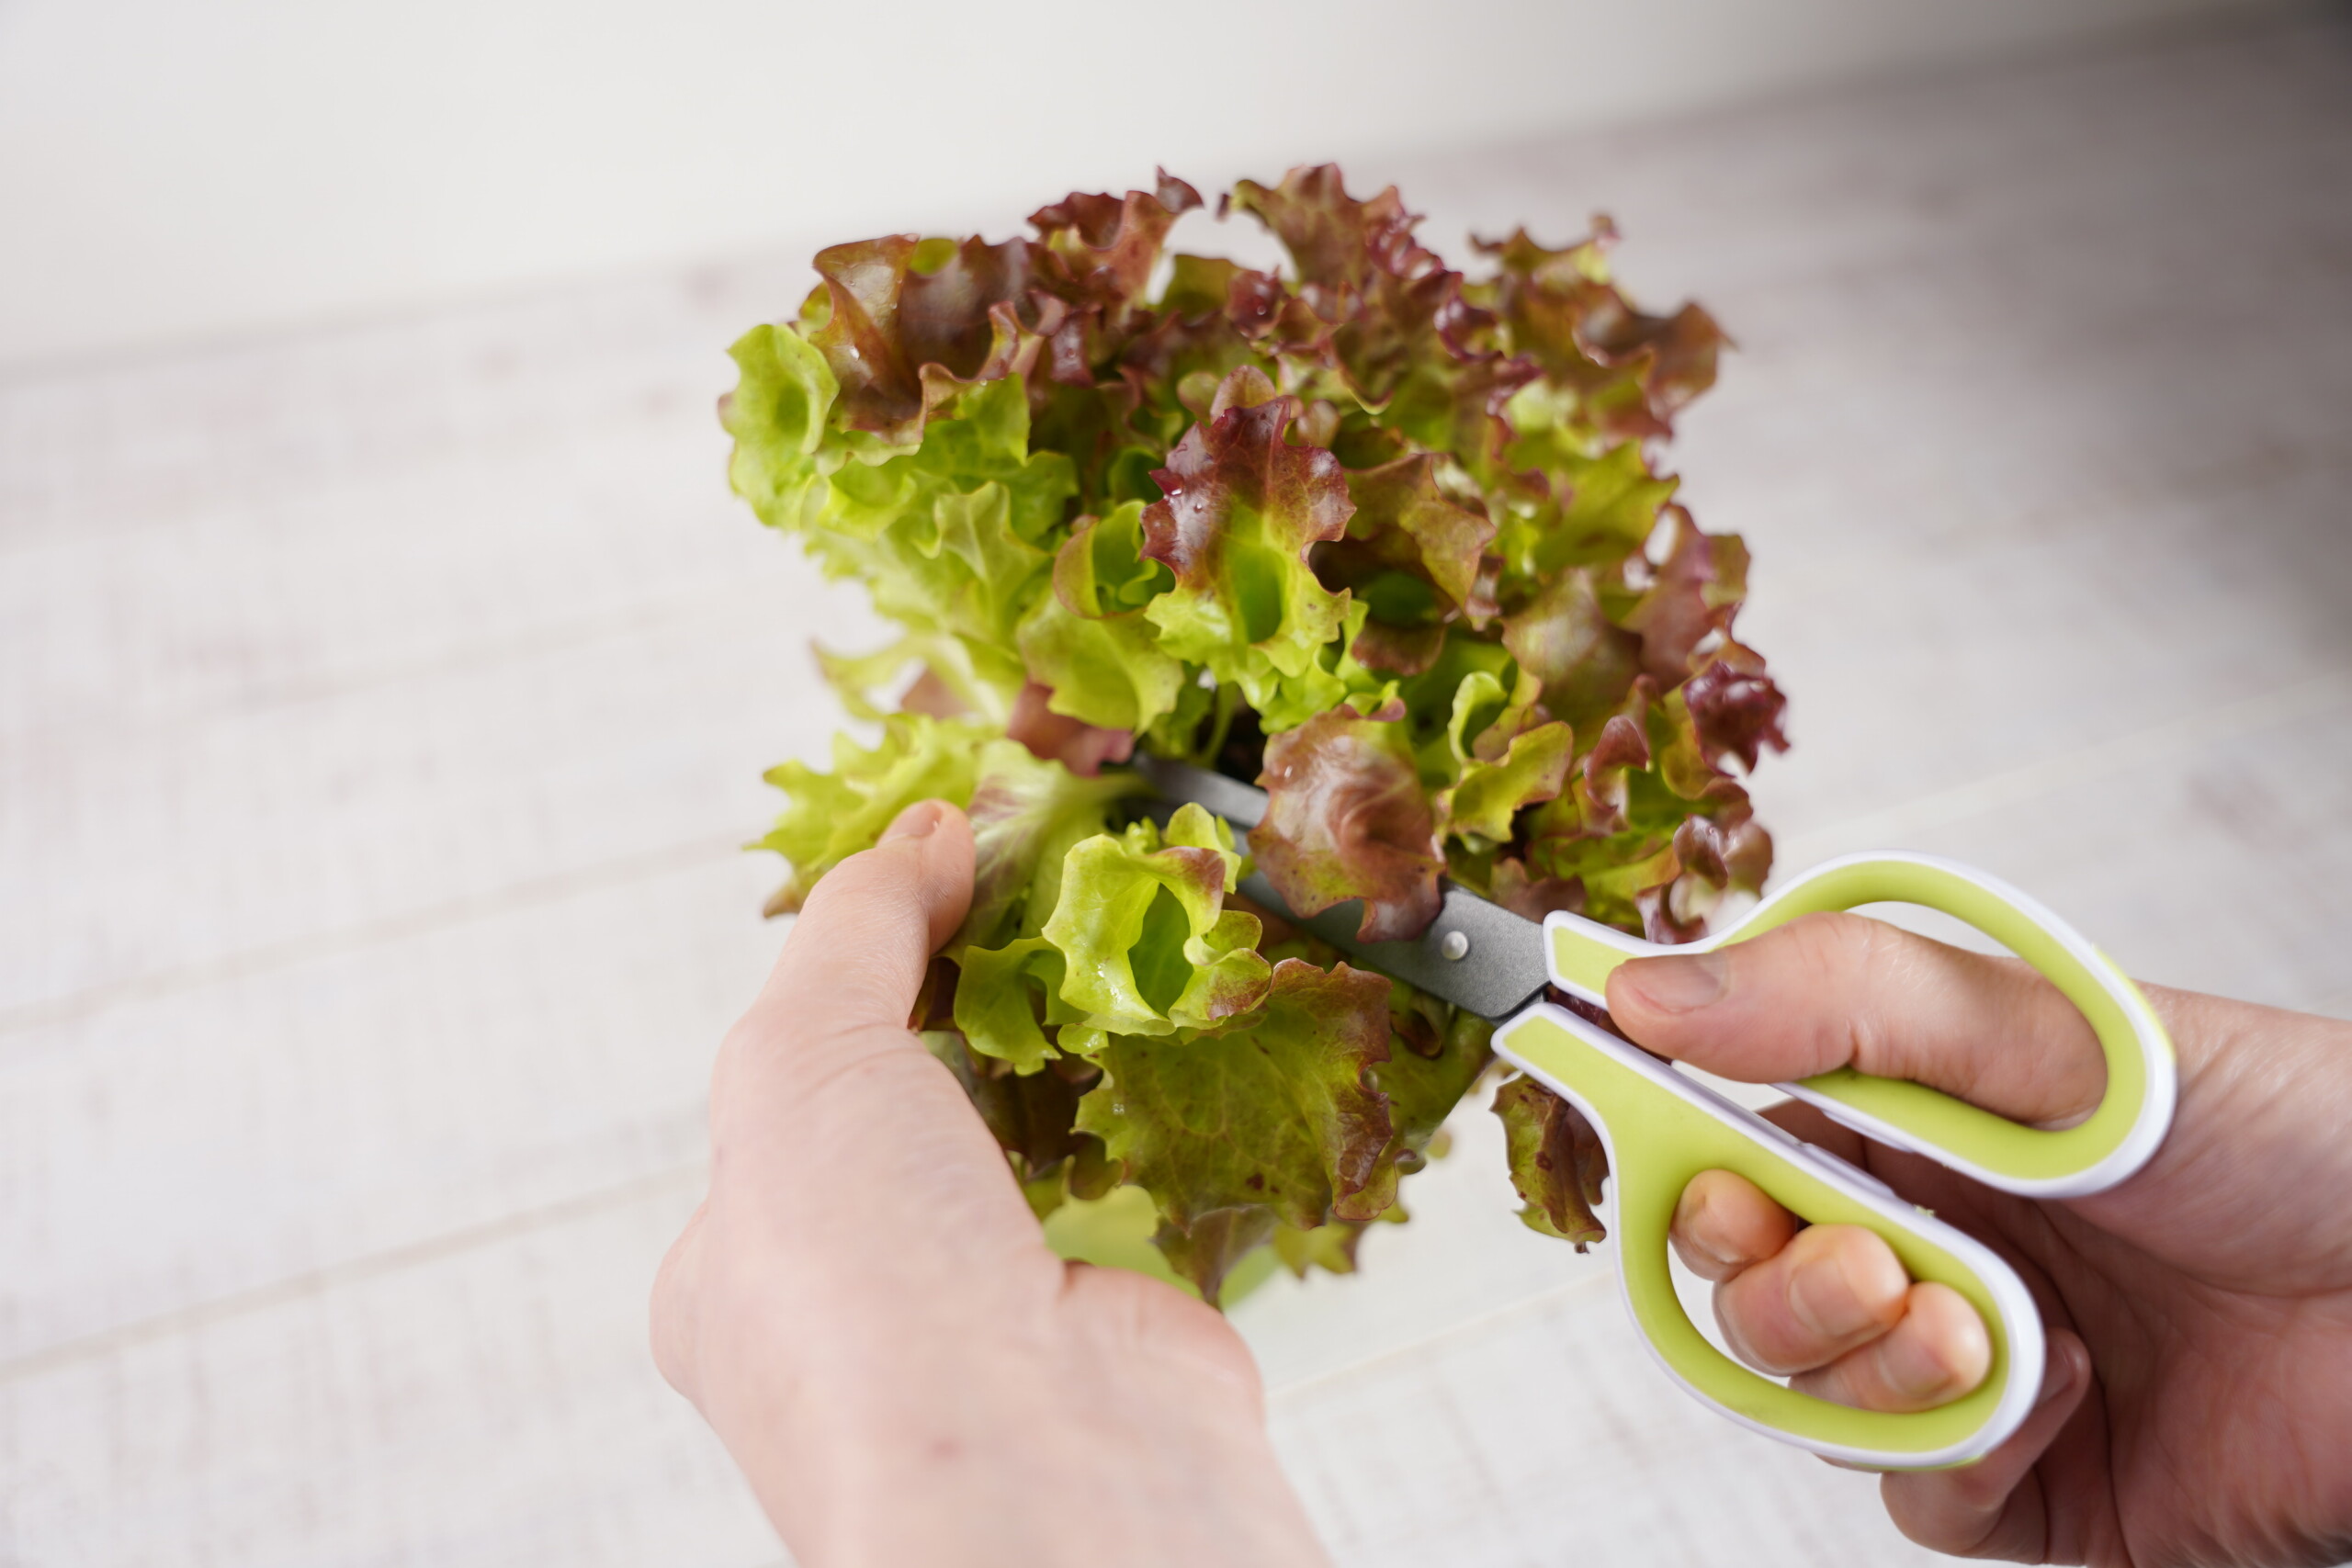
1832	1382
1722	1225
1700	1260
1834	955
1832	945
1752	1311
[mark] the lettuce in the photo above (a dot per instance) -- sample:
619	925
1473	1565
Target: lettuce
1390	539
1555	1161
1347	817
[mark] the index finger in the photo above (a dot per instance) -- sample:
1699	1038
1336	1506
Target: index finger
1834	990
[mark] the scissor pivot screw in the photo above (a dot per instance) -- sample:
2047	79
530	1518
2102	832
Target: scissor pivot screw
1454	945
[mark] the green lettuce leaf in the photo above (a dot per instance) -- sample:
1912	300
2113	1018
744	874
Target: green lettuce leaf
1006	995
833	816
1435	1054
778	414
1026	813
1241	511
1278	1111
1149	944
1088	642
1482	806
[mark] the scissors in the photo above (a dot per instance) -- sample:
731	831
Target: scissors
1661	1127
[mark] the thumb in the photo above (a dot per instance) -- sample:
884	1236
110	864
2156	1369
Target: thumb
1835	990
860	943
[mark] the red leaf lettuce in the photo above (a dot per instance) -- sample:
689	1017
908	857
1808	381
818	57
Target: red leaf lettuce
1391	539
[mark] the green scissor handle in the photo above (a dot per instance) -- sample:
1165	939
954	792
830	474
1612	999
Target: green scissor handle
1661	1129
2090	1156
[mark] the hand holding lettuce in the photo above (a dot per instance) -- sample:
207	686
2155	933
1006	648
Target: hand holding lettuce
1388	540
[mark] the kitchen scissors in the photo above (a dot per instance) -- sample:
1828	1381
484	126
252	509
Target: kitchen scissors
1661	1126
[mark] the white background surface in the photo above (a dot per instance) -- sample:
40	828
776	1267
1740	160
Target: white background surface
382	706
171	171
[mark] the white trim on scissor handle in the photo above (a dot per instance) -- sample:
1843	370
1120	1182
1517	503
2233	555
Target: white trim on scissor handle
2003	912
1733	1390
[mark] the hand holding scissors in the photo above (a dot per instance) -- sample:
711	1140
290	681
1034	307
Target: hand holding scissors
1662	1128
2197	1406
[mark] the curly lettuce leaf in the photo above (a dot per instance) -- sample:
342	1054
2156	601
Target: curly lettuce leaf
1109	246
1436	1053
1214	1246
1026	812
1080	746
1398	542
947	536
1149	946
1582	510
1564	638
1279	1110
1481	807
777	413
1381	305
1633	371
1698	590
1346	818
1005	997
1531	894
831	816
1032	1116
1556	1162
1618	833
1088	642
1241	509
1734	707
1410	555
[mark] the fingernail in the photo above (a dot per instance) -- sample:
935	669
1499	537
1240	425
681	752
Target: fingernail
1682	983
1690	1225
2057	1380
915	822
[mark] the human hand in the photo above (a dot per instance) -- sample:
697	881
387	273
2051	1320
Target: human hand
866	1312
2196	1406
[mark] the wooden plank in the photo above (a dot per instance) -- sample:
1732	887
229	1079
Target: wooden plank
1543	1433
2130	853
179	614
116	446
204	1143
161	849
490	1407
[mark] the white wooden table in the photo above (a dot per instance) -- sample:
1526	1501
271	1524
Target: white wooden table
380	709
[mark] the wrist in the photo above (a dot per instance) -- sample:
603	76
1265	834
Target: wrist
971	1450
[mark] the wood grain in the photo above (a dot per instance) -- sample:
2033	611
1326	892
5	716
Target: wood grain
380	709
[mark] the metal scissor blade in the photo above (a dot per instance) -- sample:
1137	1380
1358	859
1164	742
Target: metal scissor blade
1475	955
